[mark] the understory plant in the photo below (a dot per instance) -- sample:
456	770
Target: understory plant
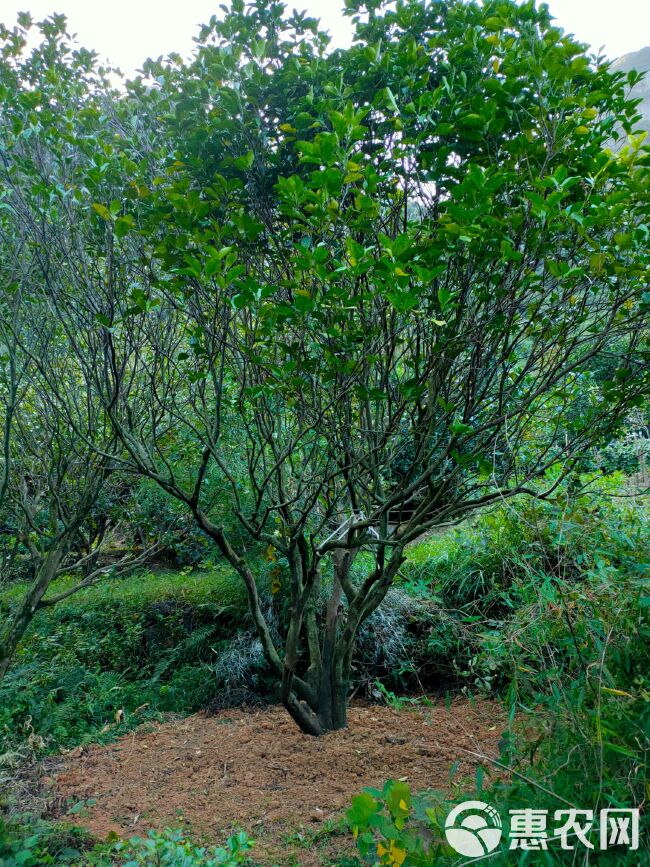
28	841
560	633
172	849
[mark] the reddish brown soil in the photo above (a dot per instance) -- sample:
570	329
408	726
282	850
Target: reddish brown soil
256	771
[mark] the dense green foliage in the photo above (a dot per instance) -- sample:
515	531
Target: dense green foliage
146	640
559	622
32	842
172	850
355	343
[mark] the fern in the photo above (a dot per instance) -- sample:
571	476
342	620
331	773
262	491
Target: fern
198	646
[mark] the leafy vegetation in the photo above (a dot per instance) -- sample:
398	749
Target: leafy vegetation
36	843
170	849
325	373
562	632
146	643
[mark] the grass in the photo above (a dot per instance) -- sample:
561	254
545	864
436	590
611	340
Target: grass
112	648
434	546
219	584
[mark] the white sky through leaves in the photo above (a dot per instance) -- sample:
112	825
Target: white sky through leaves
128	31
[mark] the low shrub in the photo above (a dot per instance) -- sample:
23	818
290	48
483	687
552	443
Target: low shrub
172	849
394	827
27	841
561	631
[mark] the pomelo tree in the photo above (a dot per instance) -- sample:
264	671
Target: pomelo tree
60	495
361	291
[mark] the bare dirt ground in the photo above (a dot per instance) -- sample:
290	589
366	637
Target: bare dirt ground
255	771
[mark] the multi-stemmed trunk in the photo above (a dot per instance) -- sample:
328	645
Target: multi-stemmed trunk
317	700
318	704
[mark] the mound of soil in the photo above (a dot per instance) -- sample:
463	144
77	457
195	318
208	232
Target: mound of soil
258	772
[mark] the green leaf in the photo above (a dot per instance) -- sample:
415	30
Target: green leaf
391	102
364	807
474	121
444	297
403	301
212	267
123	225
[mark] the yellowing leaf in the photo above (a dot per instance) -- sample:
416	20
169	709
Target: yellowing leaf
496	63
102	210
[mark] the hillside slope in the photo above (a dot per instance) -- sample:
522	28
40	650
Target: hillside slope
639	60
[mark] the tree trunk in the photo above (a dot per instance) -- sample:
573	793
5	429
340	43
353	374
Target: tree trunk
5	659
333	708
326	709
13	631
